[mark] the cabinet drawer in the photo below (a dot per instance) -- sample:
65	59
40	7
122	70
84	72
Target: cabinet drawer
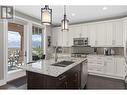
90	63
92	58
99	62
96	68
109	58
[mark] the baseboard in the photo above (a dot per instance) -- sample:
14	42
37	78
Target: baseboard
104	75
2	82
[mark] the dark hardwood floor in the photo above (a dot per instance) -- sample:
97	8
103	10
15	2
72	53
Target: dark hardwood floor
97	82
94	82
15	84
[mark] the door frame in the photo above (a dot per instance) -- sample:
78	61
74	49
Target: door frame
28	27
11	75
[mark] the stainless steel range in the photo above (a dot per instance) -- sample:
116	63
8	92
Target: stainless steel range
81	47
81	50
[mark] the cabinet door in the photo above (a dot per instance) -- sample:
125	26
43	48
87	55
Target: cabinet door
117	33
84	32
77	31
91	28
120	67
54	36
73	81
64	38
109	31
109	66
62	85
101	34
70	36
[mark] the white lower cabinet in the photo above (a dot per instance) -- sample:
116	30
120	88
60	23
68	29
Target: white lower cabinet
107	66
120	67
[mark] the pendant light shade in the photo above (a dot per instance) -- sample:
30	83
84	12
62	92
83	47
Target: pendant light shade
65	21
46	15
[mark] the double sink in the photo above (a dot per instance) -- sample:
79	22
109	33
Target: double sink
63	63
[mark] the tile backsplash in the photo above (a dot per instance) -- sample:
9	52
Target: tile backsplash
97	50
117	50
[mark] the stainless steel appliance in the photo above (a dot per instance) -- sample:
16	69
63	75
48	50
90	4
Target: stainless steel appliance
80	41
80	51
84	74
81	47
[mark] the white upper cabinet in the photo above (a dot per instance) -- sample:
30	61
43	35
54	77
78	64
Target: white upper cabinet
117	33
57	36
100	34
109	33
65	38
84	31
76	31
54	36
106	34
70	36
91	28
61	38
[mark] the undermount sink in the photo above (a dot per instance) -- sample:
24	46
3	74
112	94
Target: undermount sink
63	63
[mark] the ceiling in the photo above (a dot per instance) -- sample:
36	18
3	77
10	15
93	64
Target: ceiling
76	14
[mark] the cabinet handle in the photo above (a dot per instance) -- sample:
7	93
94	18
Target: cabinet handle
62	77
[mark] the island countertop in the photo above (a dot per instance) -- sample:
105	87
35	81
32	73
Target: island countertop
45	66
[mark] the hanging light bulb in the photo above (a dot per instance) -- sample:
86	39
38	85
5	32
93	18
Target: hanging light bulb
65	21
46	15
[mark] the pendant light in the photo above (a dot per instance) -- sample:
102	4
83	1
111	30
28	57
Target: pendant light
65	21
46	15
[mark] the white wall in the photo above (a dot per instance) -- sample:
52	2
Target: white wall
1	49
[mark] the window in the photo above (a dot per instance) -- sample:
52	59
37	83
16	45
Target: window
14	45
37	43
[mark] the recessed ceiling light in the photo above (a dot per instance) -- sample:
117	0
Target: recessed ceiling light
105	8
73	14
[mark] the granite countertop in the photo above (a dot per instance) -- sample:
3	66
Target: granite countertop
45	67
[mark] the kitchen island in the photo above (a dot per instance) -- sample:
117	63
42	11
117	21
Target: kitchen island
44	75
